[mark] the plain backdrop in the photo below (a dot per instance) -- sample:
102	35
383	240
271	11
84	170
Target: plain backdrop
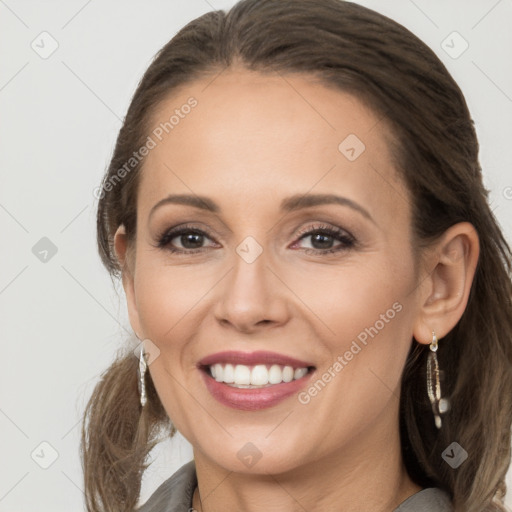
67	73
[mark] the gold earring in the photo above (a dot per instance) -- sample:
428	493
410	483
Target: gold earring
439	405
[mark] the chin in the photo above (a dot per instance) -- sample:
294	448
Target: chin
256	457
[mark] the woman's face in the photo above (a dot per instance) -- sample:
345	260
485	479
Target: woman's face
331	284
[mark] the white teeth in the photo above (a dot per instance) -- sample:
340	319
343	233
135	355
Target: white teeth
288	374
259	375
275	374
229	373
299	373
242	374
219	372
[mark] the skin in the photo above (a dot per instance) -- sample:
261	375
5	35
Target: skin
252	141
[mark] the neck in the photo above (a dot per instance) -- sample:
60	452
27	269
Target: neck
369	474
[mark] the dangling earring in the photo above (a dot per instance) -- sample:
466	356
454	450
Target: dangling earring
141	370
439	405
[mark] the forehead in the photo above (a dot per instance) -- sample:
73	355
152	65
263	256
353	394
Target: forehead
250	136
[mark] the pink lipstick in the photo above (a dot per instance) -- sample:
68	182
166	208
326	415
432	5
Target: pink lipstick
253	381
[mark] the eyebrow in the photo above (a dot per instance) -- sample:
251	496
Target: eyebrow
290	204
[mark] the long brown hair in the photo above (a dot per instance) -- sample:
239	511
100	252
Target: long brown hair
388	68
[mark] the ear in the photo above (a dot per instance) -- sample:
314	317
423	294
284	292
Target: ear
126	262
444	292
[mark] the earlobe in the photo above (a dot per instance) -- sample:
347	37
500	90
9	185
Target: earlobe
120	245
127	275
453	262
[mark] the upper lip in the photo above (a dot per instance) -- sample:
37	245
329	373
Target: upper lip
252	358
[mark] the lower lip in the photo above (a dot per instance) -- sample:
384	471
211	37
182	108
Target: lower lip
253	399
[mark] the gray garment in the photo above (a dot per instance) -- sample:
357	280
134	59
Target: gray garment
175	495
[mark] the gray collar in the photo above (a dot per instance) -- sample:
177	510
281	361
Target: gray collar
175	495
431	499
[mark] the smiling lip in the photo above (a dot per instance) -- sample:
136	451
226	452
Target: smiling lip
253	399
252	358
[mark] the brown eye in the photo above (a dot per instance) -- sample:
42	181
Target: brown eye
323	237
190	239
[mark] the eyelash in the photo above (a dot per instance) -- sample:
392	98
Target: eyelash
348	241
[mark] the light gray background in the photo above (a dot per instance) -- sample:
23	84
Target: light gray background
61	320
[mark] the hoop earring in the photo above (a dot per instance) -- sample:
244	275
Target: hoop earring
439	405
141	370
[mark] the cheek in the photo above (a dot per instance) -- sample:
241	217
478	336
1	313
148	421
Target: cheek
165	303
165	296
368	314
343	301
360	381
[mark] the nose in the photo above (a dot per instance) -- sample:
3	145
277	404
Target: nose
252	297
